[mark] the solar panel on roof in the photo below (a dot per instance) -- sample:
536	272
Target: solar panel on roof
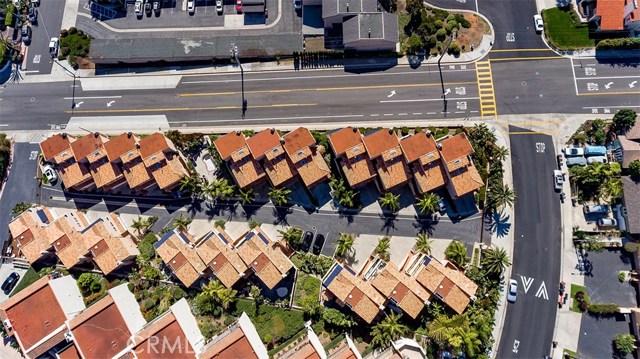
266	241
427	261
350	270
334	273
249	235
208	236
163	239
43	216
183	237
222	238
91	225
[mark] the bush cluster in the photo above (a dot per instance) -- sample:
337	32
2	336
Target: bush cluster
74	43
626	43
603	308
273	323
583	303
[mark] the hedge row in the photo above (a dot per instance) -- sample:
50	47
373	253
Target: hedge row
603	308
632	43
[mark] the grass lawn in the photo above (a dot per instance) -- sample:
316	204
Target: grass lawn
274	324
29	277
575	289
562	33
571	353
306	286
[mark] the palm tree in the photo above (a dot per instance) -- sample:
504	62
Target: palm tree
388	330
226	297
220	189
501	195
348	198
337	186
139	224
212	288
345	244
246	196
280	196
495	260
500	153
383	248
182	222
611	189
423	244
482	134
456	252
20	207
293	237
428	203
192	184
390	201
442	328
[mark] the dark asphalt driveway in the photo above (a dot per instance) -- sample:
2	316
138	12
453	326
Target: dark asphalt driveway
49	22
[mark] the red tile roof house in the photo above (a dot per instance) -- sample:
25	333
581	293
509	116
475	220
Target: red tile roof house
383	148
124	152
351	156
308	347
306	157
166	164
266	148
233	150
617	16
239	340
36	316
58	149
421	153
463	177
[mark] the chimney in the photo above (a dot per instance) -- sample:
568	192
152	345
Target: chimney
129	134
391	131
347	7
282	140
238	133
63	135
428	133
369	32
96	134
440	146
354	129
137	145
273	130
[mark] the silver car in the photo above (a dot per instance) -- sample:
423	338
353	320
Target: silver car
558	180
513	291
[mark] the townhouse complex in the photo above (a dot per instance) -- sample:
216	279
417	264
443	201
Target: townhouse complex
95	161
409	288
219	256
41	235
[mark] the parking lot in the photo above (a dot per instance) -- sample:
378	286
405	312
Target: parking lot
5	270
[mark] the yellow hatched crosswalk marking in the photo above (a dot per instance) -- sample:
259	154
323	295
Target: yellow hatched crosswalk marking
485	89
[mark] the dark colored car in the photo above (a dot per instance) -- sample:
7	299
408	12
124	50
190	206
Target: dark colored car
10	282
307	238
33	15
147	9
26	34
156	8
318	244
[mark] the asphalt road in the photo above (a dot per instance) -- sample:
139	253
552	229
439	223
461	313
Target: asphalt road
529	324
49	22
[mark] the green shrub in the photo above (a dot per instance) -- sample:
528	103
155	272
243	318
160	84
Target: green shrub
450	26
624	343
622	276
441	34
603	308
460	19
220	223
454	49
450	17
73	30
280	323
632	43
418	129
439	23
253	224
208	328
631	247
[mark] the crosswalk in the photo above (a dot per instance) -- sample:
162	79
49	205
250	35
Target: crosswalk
485	89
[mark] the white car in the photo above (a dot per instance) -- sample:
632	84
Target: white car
607	222
219	7
50	173
137	8
558	180
513	291
53	46
538	23
573	151
191	6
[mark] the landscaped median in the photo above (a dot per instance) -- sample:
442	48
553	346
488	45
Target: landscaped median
565	31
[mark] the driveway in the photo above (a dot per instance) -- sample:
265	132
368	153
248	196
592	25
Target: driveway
49	22
5	270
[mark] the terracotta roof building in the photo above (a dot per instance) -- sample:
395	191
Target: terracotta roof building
217	252
36	316
160	157
263	257
383	148
104	329
610	14
306	157
233	149
57	148
308	347
353	292
266	148
352	156
628	145
176	248
41	234
421	153
449	285
463	177
401	290
347	350
174	334
239	340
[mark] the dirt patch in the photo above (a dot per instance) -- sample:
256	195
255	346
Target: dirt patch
84	63
402	6
314	43
473	35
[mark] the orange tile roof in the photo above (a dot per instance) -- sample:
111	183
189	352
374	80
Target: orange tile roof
57	147
428	176
165	333
136	173
74	174
313	169
69	352
343	139
393	172
297	143
229	143
270	264
409	295
247	172
611	14
168	173
121	146
226	264
233	345
417	146
344	353
379	142
357	170
262	142
19	310
361	296
280	170
153	144
455	147
466	180
453	286
180	257
105	172
89	146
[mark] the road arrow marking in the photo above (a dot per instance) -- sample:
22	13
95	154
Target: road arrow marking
542	292
607	86
110	103
392	93
633	84
79	103
516	345
447	92
526	283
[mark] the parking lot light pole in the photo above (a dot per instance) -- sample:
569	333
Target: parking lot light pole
234	55
73	91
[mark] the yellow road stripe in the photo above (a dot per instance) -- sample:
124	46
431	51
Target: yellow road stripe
528	58
610	93
326	89
188	108
519	50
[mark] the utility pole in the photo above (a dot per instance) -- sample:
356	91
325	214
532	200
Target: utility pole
234	55
73	93
446	48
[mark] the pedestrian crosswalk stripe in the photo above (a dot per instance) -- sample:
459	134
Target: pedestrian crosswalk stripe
486	92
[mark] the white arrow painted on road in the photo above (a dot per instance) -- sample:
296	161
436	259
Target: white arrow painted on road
516	345
633	84
392	93
110	103
79	103
607	86
542	292
526	283
447	92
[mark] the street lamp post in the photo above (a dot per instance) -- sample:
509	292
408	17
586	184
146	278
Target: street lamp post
444	94
73	91
234	54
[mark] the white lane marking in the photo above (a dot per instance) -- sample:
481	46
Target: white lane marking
542	292
79	103
4	125
417	113
271	118
516	345
430	99
92	97
608	77
30	71
402	114
374	115
608	85
388	114
33	155
633	84
526	283
585	108
575	81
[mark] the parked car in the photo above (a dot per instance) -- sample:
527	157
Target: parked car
595	151
442	206
600	208
558	180
297	4
156	8
573	151
137	8
54	43
33	15
559	157
576	161
35	2
26	34
307	238
513	291
318	244
10	282
50	173
147	9
191	6
538	23
219	7
239	6
607	222
599	159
